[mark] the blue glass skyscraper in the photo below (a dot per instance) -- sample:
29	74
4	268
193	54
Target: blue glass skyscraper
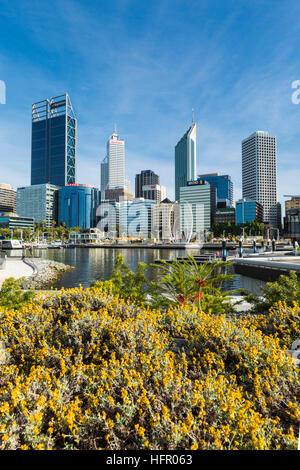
53	143
224	187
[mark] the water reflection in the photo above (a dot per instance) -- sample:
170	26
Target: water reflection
98	263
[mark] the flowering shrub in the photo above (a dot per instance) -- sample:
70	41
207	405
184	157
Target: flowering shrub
281	321
84	369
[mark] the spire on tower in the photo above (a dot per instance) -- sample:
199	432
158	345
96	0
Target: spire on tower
192	115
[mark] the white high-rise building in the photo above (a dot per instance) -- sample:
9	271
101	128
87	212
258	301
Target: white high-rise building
259	179
116	162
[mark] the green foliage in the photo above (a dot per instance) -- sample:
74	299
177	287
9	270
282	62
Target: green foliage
12	296
125	283
253	228
189	282
285	289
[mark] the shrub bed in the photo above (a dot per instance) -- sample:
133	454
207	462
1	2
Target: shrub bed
83	369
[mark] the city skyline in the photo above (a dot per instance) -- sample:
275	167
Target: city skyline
152	96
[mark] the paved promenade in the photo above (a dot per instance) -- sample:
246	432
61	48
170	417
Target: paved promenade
15	268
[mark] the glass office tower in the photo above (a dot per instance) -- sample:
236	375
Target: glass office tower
78	205
224	187
39	201
53	144
185	160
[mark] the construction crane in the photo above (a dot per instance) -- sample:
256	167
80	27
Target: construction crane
291	195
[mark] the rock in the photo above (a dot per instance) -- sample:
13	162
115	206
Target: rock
47	273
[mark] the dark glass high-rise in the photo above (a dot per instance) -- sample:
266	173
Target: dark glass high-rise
53	143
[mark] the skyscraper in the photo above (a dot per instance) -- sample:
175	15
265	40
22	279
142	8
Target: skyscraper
185	160
224	187
116	162
104	176
145	178
259	173
53	144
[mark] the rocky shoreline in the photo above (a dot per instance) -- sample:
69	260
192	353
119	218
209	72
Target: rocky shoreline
46	273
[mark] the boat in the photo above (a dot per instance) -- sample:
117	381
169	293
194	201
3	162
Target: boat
11	245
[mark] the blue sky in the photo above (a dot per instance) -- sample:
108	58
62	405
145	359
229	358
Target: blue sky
144	65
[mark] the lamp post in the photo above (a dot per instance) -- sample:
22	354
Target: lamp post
224	250
240	248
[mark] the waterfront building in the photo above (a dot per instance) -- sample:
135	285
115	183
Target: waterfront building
53	143
292	223
224	187
248	210
108	218
135	218
39	201
259	173
166	221
225	215
145	178
185	160
90	236
118	194
14	221
198	206
78	205
116	162
8	198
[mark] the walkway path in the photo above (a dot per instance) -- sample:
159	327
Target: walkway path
15	268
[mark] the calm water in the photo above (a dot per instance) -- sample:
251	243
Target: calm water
98	263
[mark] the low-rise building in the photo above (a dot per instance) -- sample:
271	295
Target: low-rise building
14	221
92	235
225	215
248	210
166	221
292	223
